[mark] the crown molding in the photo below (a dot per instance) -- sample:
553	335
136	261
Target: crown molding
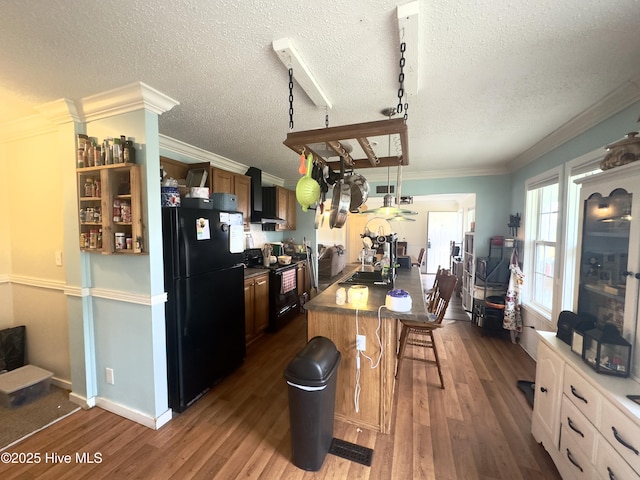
59	111
616	101
197	154
125	99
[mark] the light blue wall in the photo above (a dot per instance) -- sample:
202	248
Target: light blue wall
595	138
493	205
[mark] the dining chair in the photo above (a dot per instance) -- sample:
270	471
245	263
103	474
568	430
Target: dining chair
429	293
420	332
420	257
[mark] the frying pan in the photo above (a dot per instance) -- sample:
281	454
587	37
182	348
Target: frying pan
359	190
340	201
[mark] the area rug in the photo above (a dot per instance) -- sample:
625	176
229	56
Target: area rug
19	422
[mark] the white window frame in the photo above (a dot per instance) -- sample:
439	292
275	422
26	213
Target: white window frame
550	177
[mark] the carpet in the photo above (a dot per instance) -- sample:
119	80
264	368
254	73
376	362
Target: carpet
527	388
23	421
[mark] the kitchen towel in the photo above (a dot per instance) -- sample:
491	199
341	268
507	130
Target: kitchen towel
288	281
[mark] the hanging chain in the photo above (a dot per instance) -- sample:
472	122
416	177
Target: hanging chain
402	107
326	117
290	98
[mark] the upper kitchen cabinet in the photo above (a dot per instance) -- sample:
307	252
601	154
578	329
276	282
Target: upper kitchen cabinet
223	181
282	203
178	170
609	269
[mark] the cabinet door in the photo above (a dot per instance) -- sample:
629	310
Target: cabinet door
221	181
545	423
261	304
242	190
249	331
302	279
292	203
609	254
282	206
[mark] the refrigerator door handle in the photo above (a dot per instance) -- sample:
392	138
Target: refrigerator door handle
184	246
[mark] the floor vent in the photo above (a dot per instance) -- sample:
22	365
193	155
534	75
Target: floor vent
351	451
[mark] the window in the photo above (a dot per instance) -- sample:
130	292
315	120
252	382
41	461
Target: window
541	236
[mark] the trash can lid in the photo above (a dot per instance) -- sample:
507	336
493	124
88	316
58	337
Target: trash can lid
315	364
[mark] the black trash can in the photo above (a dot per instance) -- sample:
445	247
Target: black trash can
311	377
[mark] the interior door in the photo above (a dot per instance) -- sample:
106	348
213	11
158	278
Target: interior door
442	228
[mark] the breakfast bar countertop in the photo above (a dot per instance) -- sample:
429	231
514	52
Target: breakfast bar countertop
406	279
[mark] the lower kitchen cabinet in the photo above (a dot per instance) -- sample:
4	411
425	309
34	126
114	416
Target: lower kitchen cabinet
302	280
584	419
256	306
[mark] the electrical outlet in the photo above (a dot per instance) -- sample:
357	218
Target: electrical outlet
109	375
361	343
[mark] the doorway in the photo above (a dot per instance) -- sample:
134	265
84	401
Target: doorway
442	228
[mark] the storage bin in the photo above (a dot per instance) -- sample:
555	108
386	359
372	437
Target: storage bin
23	385
224	201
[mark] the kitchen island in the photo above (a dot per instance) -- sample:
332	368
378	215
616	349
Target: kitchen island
338	323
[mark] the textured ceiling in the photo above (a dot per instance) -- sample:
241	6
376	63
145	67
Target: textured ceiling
495	77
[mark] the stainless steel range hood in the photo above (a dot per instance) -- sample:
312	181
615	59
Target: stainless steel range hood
258	214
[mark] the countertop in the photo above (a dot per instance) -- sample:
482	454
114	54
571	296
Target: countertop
406	279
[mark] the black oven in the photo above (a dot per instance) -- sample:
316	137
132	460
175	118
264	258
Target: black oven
283	296
283	289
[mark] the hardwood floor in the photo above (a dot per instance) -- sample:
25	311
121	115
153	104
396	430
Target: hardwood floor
478	427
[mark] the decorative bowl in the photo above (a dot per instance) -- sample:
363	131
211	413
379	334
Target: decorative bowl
284	259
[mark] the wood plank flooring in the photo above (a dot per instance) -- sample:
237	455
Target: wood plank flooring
478	427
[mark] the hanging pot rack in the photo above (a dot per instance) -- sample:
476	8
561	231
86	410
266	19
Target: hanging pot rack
303	141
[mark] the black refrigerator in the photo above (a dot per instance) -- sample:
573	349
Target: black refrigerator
204	312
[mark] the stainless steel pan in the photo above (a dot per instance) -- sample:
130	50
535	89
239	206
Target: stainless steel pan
359	190
340	201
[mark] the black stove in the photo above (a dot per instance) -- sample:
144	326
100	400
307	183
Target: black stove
283	289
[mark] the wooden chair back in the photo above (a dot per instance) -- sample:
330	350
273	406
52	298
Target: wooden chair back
420	257
442	296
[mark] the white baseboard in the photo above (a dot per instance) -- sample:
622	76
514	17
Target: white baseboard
83	402
134	415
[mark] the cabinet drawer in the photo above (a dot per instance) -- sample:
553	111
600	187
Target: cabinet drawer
610	465
577	426
622	433
582	394
575	464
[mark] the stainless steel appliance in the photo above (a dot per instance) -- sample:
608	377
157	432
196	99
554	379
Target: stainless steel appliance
283	289
204	279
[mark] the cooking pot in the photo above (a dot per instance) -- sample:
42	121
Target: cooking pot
359	190
340	201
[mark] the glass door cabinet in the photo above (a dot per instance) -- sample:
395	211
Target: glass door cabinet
609	269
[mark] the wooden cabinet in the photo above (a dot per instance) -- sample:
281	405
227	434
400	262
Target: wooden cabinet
584	419
282	203
256	305
110	209
303	278
223	181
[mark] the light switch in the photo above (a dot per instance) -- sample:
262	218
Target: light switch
58	258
